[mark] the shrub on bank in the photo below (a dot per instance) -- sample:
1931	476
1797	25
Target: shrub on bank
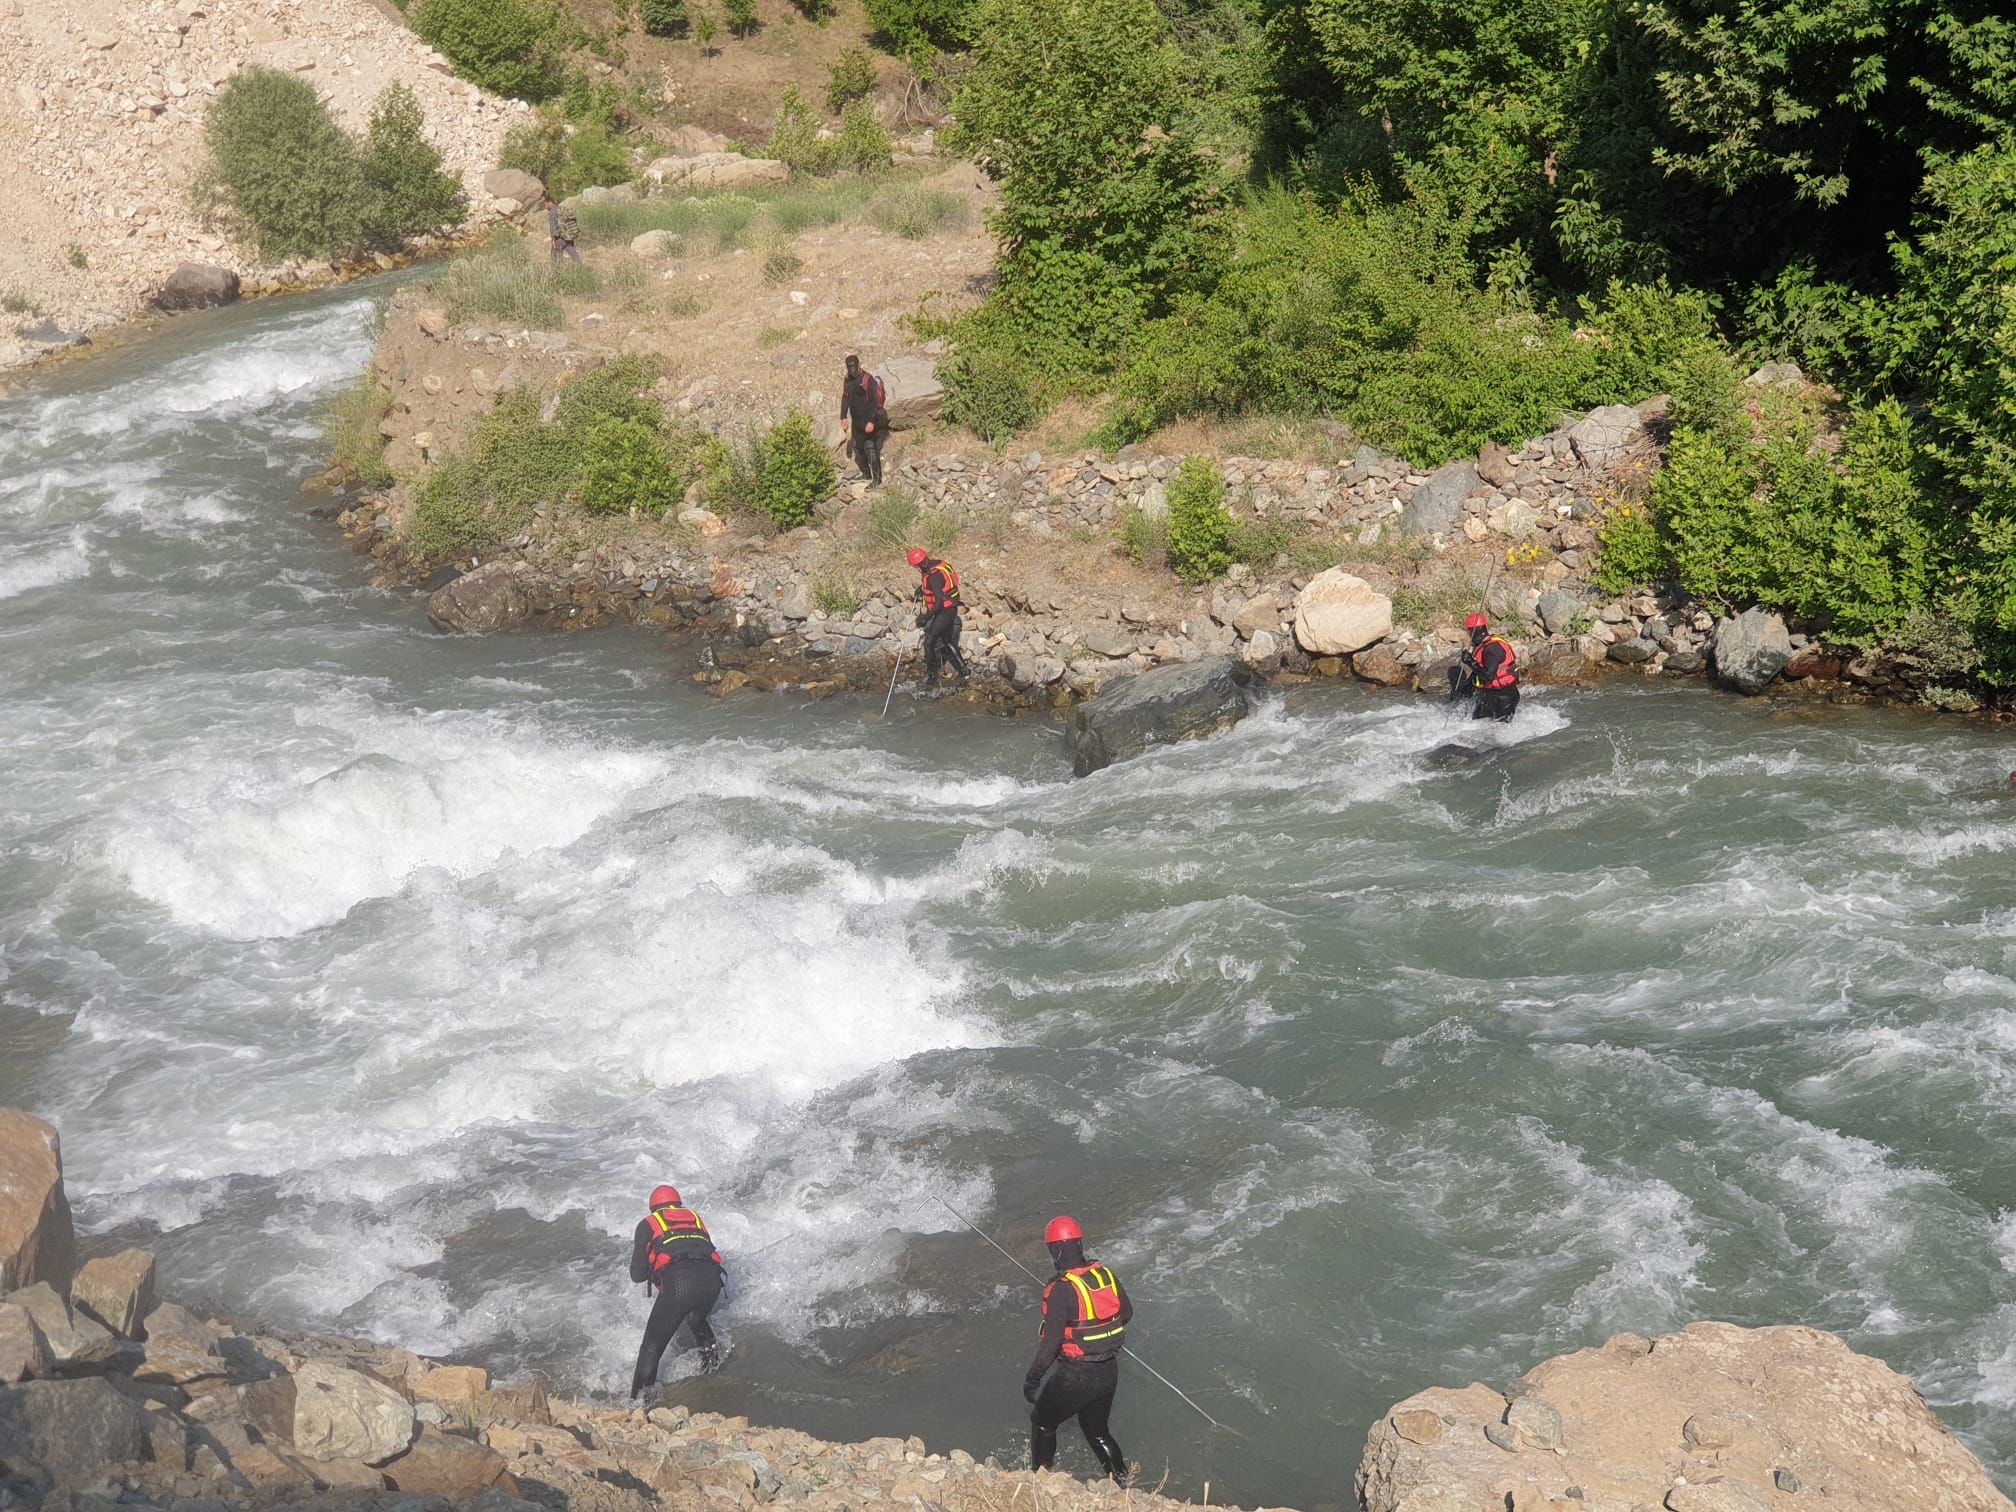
860	146
985	392
796	470
298	185
1200	526
509	47
567	158
628	468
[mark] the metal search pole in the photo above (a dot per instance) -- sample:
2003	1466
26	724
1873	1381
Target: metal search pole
892	682
1130	1354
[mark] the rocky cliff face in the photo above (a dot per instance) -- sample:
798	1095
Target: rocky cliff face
101	122
1714	1418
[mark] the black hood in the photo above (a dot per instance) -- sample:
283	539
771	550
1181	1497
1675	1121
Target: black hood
1067	1254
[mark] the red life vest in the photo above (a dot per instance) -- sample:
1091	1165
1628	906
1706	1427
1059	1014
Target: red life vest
944	592
1506	677
678	1234
1093	1332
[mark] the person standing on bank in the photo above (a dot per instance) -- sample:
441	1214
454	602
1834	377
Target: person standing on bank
863	405
940	619
1489	670
563	229
1085	1316
675	1258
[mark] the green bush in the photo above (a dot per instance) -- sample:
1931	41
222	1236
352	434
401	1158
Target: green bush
628	468
913	212
1200	526
405	188
917	28
892	515
449	519
509	47
350	428
285	169
740	16
984	392
796	471
860	146
1145	538
849	77
1633	554
663	18
567	158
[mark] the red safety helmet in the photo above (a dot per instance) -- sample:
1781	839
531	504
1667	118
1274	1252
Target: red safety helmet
1062	1228
918	556
1476	622
664	1196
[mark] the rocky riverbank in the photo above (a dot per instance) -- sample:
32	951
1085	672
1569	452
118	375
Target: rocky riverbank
1379	562
111	1397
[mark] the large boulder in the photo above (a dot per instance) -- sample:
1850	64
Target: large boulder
117	1290
715	170
74	1340
1603	436
342	1414
24	1353
1559	609
1714	1417
197	286
71	1432
443	1464
1438	504
181	1349
491	598
1336	614
915	395
514	184
37	1240
1186	701
1751	649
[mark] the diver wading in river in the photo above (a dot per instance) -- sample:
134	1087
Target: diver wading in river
673	1255
1487	670
1085	1316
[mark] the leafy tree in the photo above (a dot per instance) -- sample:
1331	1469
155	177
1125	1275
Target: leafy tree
851	77
405	186
510	47
280	162
663	18
917	28
740	16
795	471
1106	199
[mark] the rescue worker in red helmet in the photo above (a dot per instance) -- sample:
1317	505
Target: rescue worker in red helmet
940	617
1085	1315
675	1258
1488	670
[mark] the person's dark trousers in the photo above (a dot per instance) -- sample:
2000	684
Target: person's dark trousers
941	644
1495	703
688	1294
567	250
1082	1389
868	452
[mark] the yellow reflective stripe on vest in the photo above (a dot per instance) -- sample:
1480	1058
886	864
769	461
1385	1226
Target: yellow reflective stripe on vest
1087	1314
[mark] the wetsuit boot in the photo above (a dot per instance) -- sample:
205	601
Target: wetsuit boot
1042	1446
1111	1460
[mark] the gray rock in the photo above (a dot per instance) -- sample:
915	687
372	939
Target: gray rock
1777	375
117	1290
606	194
915	394
513	184
1633	651
1536	1422
197	286
1785	1481
71	1431
24	1353
1186	701
1604	435
1025	671
1438	504
1560	609
1498	1433
72	1338
343	1414
491	598
1750	650
1109	640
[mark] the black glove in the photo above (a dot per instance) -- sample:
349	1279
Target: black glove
921	620
1031	1390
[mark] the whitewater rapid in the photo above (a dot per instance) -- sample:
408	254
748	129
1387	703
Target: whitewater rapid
374	976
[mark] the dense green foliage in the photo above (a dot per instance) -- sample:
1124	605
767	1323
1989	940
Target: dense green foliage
985	392
1200	530
918	27
794	471
510	47
607	448
663	18
299	185
860	146
740	16
850	77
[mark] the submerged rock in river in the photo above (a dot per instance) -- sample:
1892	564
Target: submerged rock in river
1184	702
491	598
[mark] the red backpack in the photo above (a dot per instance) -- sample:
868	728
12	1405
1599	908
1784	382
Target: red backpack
876	389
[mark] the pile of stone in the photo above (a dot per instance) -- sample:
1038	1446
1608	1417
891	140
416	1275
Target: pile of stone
103	121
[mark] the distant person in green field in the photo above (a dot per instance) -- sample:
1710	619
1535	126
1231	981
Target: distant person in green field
563	229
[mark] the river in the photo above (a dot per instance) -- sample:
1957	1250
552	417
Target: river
374	976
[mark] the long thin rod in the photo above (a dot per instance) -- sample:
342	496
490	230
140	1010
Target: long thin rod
1131	1354
892	682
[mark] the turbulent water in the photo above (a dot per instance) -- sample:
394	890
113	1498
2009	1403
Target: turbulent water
374	977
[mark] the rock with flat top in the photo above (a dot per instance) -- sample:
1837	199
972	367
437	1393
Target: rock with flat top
342	1414
197	286
73	1339
1187	701
915	394
445	1464
1336	614
489	599
24	1353
37	1239
1704	1420
117	1290
715	170
513	184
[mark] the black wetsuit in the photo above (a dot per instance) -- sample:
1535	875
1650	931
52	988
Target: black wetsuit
687	1290
1075	1388
942	626
1484	665
859	409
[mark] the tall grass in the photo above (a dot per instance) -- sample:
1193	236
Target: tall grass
913	211
502	281
732	218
